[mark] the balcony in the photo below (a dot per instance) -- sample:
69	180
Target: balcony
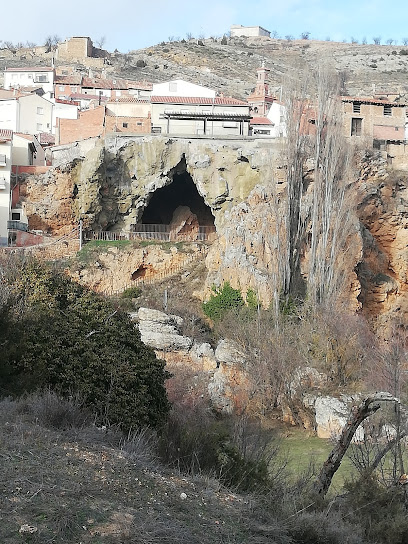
17	225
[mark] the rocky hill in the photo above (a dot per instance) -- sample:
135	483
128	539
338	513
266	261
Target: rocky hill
229	65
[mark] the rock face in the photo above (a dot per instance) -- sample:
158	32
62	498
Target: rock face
331	415
160	331
241	185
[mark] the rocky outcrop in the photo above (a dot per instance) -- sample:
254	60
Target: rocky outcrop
242	187
161	331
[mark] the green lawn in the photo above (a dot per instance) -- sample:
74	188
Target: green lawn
304	451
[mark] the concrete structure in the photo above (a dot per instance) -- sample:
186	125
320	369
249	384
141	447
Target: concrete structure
179	87
248	31
6	143
128	114
90	123
261	126
9	113
32	77
216	116
27	151
75	48
277	116
35	114
374	120
29	113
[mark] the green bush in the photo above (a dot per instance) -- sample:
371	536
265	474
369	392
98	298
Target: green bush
224	299
131	292
72	341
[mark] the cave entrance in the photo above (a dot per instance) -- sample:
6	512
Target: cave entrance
178	210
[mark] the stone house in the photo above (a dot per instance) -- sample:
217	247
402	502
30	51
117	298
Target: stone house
75	48
248	31
374	120
115	88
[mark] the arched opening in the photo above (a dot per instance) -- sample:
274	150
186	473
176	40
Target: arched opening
181	192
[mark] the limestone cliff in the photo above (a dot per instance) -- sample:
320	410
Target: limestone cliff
239	187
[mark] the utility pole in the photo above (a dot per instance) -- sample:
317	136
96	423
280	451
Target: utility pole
80	234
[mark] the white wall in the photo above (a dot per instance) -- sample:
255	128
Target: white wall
5	149
35	114
9	114
179	87
250	31
277	114
30	79
63	111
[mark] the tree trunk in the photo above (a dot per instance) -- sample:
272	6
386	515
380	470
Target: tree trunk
357	415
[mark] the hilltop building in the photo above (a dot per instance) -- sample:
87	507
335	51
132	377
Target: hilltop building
249	31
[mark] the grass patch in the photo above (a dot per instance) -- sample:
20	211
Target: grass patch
305	452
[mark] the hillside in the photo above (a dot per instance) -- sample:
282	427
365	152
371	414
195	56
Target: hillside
231	68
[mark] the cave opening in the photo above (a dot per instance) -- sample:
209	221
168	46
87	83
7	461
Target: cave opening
180	192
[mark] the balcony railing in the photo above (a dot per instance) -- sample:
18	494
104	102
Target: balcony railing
17	225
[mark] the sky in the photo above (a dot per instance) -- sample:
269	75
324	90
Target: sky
134	24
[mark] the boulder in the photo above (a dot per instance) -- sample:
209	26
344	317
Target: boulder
229	353
160	331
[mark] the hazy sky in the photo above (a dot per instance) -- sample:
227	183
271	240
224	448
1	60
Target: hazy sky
133	24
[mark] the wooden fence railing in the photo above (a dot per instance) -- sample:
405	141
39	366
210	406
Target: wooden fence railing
154	232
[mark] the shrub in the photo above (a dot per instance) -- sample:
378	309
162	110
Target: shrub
140	63
224	299
74	342
131	292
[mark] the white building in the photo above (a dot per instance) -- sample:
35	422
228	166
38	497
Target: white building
35	114
6	144
248	31
179	87
9	112
277	115
15	78
27	151
217	116
63	111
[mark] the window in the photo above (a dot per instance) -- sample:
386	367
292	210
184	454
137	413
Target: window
139	124
356	124
61	88
39	126
356	107
41	79
3	161
173	87
15	216
40	111
388	110
124	125
74	89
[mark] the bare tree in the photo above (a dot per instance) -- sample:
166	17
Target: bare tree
305	35
289	37
331	215
189	36
100	42
377	40
353	40
358	414
390	41
364	41
405	41
275	34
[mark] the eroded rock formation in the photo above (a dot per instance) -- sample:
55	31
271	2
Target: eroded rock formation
239	187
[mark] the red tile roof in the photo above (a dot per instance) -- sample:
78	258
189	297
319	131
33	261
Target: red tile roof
69	102
83	96
46	139
31	69
260	121
117	83
68	80
127	99
6	134
217	101
381	132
